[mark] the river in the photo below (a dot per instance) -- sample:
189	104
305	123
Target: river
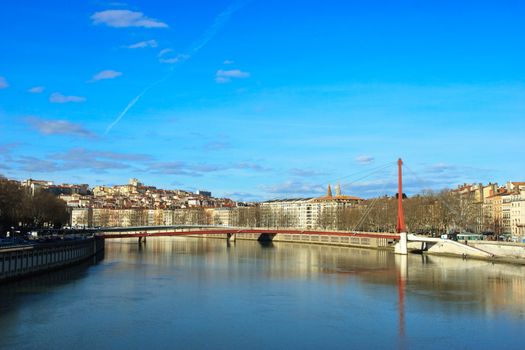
194	293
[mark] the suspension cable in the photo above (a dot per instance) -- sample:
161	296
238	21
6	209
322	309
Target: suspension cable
366	172
369	209
461	220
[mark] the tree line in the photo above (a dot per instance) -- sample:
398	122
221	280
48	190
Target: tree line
22	211
429	212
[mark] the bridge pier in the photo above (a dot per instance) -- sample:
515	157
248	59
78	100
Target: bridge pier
232	237
402	246
142	240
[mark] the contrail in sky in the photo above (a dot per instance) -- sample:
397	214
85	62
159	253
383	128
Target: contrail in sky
197	45
218	23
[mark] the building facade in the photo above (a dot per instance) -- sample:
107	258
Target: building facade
517	215
306	213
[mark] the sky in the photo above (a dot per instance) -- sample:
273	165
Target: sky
256	100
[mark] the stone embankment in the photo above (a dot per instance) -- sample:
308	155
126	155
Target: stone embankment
362	240
507	252
21	261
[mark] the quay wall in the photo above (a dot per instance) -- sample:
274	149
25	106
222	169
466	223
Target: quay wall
22	261
367	241
453	248
508	252
501	249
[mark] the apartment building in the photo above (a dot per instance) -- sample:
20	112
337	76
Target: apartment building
304	212
517	214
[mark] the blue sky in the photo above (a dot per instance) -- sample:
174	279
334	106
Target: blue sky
263	99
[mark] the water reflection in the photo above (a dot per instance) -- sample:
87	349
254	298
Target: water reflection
202	293
402	275
471	284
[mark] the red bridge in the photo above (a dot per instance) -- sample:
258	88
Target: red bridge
362	239
190	230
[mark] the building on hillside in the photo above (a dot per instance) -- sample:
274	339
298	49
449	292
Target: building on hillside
67	189
102	191
515	186
76	200
135	183
34	186
203	193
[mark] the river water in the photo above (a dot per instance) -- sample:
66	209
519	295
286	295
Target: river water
192	293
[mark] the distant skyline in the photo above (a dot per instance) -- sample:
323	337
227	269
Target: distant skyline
257	99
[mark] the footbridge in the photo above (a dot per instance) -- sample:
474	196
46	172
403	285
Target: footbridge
375	240
347	238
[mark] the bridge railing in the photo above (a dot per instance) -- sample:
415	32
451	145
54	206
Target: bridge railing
144	231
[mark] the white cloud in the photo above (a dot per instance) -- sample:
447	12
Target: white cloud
106	74
364	160
143	44
294	189
228	62
199	169
57	97
36	90
125	18
3	83
58	127
164	51
166	57
75	158
306	172
225	76
234	73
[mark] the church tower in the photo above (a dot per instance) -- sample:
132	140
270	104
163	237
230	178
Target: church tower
329	191
338	190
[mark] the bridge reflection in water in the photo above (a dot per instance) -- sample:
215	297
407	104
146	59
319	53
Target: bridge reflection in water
200	293
341	238
430	277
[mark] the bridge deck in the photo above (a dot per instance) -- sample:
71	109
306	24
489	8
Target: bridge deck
185	231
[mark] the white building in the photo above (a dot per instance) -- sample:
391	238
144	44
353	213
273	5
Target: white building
36	185
81	217
289	213
304	212
221	216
